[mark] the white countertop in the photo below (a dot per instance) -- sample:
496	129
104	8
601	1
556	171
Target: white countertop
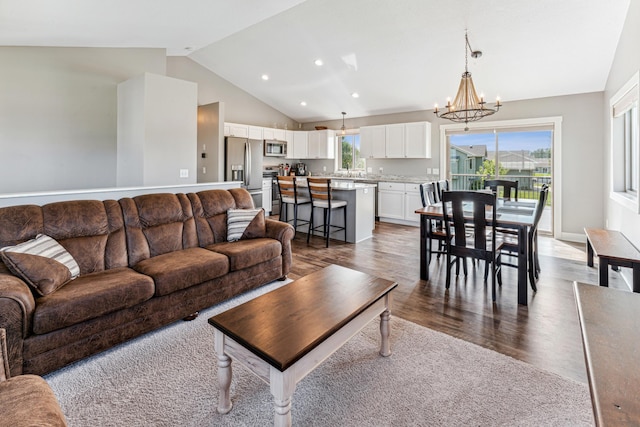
339	184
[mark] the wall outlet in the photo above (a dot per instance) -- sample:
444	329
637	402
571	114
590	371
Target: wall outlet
380	169
428	171
436	171
204	169
369	169
204	147
324	169
184	173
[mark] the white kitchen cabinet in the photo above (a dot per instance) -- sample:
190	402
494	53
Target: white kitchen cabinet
255	132
321	144
373	142
396	141
298	149
237	130
412	201
417	140
274	134
391	200
398	201
266	195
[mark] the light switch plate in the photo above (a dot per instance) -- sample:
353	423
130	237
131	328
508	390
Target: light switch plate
184	173
436	171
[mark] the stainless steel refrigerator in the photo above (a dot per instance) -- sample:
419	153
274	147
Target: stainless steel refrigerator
243	162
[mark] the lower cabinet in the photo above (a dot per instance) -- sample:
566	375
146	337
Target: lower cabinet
398	201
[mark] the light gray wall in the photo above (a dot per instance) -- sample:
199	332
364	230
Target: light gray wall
58	114
625	64
157	127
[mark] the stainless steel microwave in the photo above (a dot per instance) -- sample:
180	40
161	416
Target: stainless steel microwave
273	148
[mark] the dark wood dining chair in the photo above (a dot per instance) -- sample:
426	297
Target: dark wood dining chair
289	195
320	195
508	187
436	231
511	246
463	208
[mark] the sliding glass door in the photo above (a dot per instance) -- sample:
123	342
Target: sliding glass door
518	154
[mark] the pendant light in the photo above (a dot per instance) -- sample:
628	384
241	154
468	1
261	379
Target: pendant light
343	129
467	105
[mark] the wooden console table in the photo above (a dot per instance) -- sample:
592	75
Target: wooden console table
611	338
612	249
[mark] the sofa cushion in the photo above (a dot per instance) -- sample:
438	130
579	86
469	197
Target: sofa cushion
42	263
245	224
247	253
90	296
182	269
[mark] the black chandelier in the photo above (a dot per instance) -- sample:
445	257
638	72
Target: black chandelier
467	106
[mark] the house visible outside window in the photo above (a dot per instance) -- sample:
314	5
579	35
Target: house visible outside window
350	152
625	145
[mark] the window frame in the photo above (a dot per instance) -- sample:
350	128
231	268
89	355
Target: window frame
624	121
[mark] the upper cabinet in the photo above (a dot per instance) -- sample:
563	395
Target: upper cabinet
237	130
373	142
274	134
298	148
255	132
401	140
322	144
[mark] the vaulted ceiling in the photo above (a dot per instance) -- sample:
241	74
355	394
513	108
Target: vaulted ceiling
398	55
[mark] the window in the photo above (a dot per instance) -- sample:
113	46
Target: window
350	152
625	146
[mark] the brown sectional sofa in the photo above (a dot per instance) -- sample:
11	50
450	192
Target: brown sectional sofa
144	262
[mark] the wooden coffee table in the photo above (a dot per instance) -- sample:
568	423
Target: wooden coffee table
283	335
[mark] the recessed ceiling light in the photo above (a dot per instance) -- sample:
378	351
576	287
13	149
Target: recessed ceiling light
265	77
303	103
318	62
355	95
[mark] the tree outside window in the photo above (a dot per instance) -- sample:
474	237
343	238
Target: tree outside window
350	152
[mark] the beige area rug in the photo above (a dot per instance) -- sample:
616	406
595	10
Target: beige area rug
168	378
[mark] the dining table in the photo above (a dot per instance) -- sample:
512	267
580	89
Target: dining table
511	214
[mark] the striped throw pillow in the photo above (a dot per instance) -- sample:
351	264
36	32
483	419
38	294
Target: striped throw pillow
245	224
42	262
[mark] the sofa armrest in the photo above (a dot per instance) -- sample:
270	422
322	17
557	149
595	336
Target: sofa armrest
284	233
17	306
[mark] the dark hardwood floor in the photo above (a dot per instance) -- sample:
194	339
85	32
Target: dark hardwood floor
545	333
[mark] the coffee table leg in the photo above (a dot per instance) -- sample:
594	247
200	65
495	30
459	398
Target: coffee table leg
282	386
385	346
224	375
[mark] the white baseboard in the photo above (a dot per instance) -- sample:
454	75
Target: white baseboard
573	237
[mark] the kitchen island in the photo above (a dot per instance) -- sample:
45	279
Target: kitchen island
360	198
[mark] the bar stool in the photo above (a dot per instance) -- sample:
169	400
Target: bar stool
320	195
289	196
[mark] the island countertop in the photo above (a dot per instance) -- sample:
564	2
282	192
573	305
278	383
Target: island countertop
339	184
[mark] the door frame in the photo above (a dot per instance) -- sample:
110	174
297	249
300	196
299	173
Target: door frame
556	154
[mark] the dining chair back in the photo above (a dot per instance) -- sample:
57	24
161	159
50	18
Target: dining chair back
289	195
508	187
441	186
435	230
428	193
461	209
321	197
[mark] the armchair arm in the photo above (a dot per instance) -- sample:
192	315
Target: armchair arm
17	306
284	233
